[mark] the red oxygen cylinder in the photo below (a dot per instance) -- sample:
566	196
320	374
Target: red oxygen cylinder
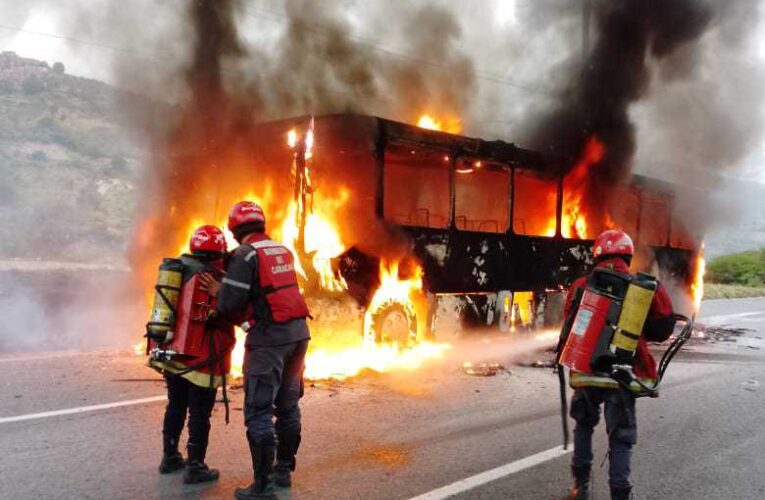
586	331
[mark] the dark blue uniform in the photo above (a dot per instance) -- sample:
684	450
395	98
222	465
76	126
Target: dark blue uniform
274	359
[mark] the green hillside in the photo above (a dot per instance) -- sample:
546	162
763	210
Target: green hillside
68	166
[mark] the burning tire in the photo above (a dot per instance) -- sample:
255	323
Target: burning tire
394	323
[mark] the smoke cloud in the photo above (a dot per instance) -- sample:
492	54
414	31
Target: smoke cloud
616	74
314	67
673	87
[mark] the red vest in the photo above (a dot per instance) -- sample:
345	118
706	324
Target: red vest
278	298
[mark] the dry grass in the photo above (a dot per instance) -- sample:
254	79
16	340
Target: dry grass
720	291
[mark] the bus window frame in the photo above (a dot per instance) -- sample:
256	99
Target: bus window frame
382	148
558	179
504	167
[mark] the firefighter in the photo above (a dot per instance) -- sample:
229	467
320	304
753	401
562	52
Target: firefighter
261	290
192	385
613	250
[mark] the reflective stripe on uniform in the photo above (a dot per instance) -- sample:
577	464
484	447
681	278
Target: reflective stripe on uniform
238	284
578	380
264	244
269	247
195	377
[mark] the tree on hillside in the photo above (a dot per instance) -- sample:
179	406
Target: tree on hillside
58	67
33	84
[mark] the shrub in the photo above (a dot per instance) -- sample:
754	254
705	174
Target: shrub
744	268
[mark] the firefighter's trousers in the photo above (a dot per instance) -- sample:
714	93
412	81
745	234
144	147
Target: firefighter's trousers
273	386
621	425
183	397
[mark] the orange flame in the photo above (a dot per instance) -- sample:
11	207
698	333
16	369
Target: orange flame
322	363
452	126
575	185
237	354
321	236
393	291
331	355
697	287
396	297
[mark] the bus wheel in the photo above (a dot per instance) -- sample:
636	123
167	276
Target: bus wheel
394	323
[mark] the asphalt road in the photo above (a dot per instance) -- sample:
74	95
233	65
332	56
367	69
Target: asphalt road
393	436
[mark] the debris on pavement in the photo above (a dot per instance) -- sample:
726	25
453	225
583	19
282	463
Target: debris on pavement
751	385
483	369
539	363
719	333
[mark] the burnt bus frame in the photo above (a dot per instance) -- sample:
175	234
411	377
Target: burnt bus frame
487	262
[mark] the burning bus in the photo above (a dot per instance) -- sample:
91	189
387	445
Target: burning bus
398	216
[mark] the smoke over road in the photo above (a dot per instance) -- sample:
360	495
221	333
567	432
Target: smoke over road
674	88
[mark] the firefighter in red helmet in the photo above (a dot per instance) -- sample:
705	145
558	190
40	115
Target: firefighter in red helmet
192	380
613	250
260	291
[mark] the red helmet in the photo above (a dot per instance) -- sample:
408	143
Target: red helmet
208	239
245	212
613	242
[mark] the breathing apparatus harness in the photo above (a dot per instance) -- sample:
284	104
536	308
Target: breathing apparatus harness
164	318
601	334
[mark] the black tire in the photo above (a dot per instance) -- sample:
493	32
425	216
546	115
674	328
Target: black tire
394	323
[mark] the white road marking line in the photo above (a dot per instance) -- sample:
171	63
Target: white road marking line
492	475
81	409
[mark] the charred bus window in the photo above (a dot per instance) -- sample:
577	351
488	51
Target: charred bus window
416	187
624	209
482	194
534	203
654	220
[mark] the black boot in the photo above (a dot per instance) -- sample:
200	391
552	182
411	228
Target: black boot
171	459
621	493
285	459
581	489
171	463
262	465
197	470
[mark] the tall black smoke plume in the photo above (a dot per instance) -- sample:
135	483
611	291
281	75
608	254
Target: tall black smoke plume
314	67
616	74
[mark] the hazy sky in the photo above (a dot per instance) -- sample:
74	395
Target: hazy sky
38	31
43	29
